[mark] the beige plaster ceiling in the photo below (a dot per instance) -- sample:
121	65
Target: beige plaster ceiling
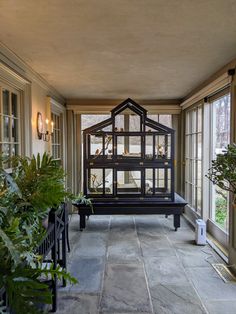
143	49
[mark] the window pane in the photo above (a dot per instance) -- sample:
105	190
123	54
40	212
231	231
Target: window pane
199	145
148	181
134	123
95	181
15	150
165	119
108	146
96	145
149	146
14	105
199	174
109	181
187	146
194	121
129	146
14	130
120	123
6	127
6	150
187	123
129	182
199	119
5	100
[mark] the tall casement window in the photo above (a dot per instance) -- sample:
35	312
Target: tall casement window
193	157
57	137
220	138
9	122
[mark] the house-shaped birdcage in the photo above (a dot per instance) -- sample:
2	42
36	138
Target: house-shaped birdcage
129	156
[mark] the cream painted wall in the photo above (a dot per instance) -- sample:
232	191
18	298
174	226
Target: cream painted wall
39	104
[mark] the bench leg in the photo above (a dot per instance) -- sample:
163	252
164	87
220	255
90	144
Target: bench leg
176	221
82	222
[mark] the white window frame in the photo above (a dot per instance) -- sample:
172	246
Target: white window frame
192	157
9	79
59	109
10	118
215	229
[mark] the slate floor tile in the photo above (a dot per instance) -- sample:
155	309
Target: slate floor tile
123	250
155	245
176	299
73	303
194	257
98	225
185	236
219	307
165	270
209	284
91	244
125	289
149	223
89	272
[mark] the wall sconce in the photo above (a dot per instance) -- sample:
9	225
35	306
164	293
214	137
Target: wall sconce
44	135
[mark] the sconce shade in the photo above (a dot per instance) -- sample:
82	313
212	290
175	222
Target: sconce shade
43	128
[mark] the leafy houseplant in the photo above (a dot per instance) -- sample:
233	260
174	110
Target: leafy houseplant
223	171
35	185
82	199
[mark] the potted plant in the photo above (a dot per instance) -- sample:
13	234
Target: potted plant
223	171
82	199
35	186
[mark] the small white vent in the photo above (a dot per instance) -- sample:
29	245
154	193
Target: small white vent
224	273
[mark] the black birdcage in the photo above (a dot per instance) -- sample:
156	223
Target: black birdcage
129	156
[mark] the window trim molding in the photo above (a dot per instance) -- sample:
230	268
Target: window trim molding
220	83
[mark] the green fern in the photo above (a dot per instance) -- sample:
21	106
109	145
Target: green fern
35	185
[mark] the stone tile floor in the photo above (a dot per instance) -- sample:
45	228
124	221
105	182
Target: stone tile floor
139	264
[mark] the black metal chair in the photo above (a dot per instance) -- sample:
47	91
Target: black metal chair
54	243
52	248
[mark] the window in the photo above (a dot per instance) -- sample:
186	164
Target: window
56	137
165	119
193	158
220	138
10	123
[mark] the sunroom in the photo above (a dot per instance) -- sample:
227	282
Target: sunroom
132	104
